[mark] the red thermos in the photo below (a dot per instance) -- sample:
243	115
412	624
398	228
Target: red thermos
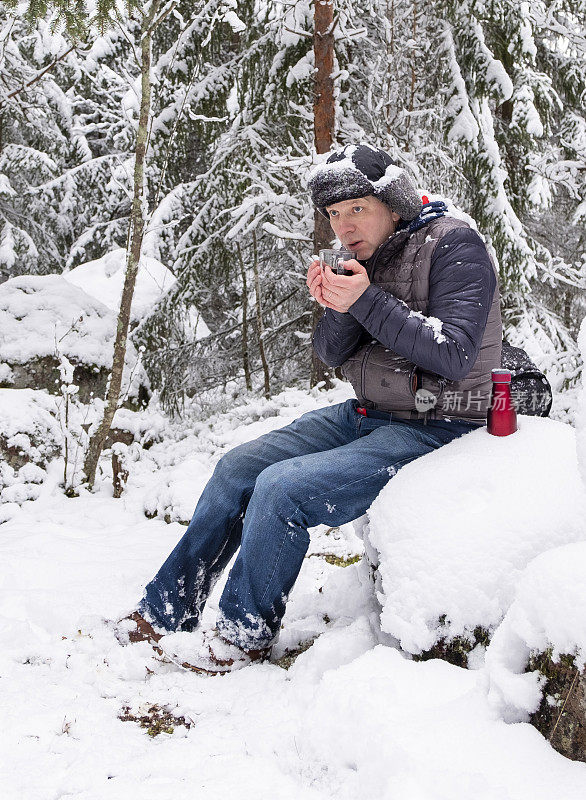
501	415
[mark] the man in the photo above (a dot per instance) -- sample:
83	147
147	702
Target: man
416	329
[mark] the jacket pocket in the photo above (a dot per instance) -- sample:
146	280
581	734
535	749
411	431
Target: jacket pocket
352	370
388	380
433	383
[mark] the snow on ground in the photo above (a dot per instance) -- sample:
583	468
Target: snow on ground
352	718
581	408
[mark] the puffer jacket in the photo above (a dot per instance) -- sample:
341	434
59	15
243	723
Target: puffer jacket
430	320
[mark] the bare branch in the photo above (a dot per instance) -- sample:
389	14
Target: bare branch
162	16
298	33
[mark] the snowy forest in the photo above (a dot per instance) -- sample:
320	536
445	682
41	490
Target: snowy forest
484	103
156	230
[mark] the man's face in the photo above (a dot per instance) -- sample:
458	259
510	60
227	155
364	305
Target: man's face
362	224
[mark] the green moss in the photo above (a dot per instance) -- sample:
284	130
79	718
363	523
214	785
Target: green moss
289	656
456	650
158	728
545	664
560	716
155	721
336	561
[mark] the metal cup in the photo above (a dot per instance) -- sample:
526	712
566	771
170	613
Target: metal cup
335	260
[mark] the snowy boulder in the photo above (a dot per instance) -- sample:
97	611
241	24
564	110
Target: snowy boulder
454	531
174	498
103	279
29	430
536	659
47	323
30	436
130	435
144	427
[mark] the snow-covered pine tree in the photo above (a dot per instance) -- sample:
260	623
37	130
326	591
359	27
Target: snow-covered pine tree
253	115
78	193
523	67
67	132
246	137
104	98
37	145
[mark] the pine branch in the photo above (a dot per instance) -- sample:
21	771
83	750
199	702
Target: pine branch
130	42
37	78
194	74
224	377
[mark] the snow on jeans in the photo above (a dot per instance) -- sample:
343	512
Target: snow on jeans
326	467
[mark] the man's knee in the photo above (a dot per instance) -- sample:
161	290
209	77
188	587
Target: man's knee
283	480
234	471
279	495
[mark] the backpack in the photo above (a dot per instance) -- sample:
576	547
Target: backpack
530	389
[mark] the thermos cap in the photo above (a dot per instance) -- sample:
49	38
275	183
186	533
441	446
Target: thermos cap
501	375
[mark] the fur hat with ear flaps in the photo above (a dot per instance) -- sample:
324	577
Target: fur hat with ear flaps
361	170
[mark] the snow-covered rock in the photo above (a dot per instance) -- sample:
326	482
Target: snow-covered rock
548	614
173	498
29	428
537	657
455	530
44	318
103	280
30	436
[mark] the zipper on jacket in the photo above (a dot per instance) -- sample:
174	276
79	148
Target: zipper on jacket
363	368
376	255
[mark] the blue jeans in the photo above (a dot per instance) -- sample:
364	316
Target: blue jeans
326	467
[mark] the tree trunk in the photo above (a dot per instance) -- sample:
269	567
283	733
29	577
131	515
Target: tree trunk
323	128
323	51
259	320
135	235
413	75
322	237
245	356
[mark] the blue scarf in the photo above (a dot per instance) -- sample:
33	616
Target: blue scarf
433	210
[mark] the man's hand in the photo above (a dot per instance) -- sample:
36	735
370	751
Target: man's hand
314	281
339	292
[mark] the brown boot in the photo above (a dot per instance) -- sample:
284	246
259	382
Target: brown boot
141	631
208	653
